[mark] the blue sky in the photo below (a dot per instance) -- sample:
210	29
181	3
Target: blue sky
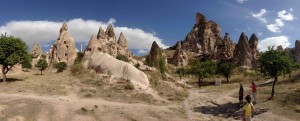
166	21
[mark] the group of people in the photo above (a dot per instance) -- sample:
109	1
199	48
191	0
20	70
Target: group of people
248	108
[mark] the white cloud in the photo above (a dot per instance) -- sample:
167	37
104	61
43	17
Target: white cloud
287	16
273	41
279	22
143	51
260	15
291	9
45	31
241	1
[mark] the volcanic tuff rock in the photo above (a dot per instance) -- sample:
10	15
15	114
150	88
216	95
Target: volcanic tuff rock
226	49
297	51
110	34
64	49
105	63
242	53
180	57
106	43
156	53
204	38
122	40
253	42
36	50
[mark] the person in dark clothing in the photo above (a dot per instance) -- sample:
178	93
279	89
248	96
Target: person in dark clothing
241	94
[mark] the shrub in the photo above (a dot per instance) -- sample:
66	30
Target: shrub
79	58
78	69
61	66
122	58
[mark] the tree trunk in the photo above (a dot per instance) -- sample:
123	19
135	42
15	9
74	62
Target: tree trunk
41	72
227	79
4	74
199	81
273	87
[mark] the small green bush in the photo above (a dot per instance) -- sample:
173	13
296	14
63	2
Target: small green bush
122	58
61	66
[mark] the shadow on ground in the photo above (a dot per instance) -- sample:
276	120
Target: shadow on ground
11	80
228	110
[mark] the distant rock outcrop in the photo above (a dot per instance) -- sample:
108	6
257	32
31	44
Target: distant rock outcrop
204	38
64	49
242	53
253	42
156	53
226	49
180	57
106	43
297	51
36	50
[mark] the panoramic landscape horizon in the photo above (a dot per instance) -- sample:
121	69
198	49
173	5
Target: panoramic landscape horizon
171	60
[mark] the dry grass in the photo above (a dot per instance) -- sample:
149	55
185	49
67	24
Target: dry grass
49	84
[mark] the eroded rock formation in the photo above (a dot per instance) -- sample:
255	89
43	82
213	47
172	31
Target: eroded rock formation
204	38
242	53
180	57
36	50
253	42
156	53
105	63
106	43
64	49
226	49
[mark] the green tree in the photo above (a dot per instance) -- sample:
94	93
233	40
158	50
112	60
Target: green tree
79	57
274	63
226	69
162	65
181	72
202	70
12	52
61	66
41	65
26	63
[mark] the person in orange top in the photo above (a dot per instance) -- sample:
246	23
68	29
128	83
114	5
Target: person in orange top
254	92
248	110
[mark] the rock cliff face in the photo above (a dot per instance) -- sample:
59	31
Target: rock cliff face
226	49
245	51
297	51
180	57
64	49
204	38
106	43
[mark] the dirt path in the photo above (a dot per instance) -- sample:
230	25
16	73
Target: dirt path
210	105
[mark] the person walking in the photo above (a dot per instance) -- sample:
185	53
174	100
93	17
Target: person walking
241	95
254	92
248	110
